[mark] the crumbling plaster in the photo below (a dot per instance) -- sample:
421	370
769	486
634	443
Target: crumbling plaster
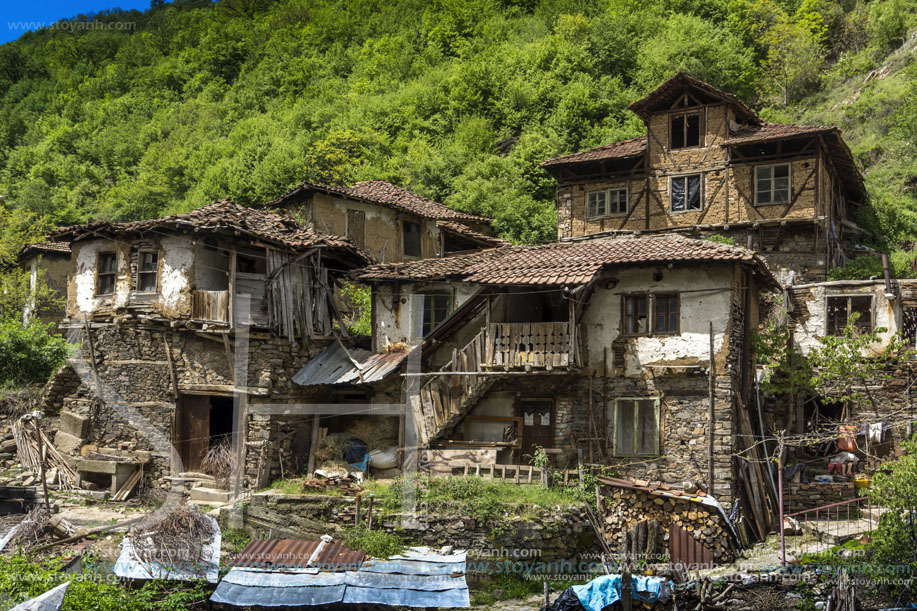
704	294
812	323
394	308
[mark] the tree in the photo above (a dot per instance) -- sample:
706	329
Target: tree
794	60
895	489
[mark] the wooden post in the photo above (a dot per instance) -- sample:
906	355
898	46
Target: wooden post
311	467
43	452
579	467
627	602
711	416
604	434
369	512
356	521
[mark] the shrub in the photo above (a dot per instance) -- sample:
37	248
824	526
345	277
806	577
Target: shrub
29	354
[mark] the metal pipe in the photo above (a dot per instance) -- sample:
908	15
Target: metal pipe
888	279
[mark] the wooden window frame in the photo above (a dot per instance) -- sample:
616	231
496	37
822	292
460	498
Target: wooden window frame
701	194
100	274
677	296
701	128
789	188
657	409
649	321
607	213
141	272
420	308
848	296
350	233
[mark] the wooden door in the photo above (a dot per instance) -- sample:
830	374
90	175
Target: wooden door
356	227
537	425
193	430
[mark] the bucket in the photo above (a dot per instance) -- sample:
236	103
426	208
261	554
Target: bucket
861	482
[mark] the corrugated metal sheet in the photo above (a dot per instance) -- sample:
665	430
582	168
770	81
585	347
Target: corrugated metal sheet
417	578
294	554
129	566
333	366
685	549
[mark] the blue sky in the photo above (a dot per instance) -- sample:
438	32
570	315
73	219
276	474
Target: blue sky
18	16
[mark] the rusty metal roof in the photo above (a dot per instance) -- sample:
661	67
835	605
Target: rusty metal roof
333	366
280	554
564	263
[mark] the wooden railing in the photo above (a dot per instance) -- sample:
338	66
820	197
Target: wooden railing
536	345
210	306
445	398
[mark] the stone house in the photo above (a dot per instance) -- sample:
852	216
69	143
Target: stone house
190	328
51	261
389	222
709	166
601	346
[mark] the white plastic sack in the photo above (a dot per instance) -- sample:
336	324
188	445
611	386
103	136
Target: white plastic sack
384	459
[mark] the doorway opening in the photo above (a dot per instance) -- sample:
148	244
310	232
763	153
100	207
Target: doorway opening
204	423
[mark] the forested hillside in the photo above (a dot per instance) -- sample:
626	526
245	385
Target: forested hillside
457	99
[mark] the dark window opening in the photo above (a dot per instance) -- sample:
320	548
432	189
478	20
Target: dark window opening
411	238
666	316
636	316
686	129
539	307
148	272
853	310
636	423
431	310
686	193
772	184
106	273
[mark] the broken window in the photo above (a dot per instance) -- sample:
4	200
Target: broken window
685	194
772	184
430	310
842	310
106	273
685	130
605	203
411	238
636	315
356	227
636	423
148	271
666	314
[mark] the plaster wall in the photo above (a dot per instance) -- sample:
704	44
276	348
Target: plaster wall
811	321
394	308
705	296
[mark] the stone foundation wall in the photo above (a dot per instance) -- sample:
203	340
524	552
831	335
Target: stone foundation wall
551	534
800	497
137	401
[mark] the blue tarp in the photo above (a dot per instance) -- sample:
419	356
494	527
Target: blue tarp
606	590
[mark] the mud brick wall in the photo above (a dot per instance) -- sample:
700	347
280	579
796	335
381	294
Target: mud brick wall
800	497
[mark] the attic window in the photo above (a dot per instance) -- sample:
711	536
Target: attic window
772	184
841	311
106	273
685	130
636	423
148	271
411	239
606	203
685	193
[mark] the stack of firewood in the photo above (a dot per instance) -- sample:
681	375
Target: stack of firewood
653	515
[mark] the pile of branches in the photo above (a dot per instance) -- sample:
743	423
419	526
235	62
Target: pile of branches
220	462
179	538
26	433
32	528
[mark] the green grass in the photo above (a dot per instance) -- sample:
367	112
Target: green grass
376	543
294	486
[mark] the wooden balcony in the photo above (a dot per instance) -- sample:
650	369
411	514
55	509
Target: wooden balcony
536	345
210	306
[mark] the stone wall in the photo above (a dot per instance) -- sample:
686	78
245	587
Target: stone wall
549	534
137	399
800	497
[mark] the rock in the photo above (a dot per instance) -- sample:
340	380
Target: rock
74	424
28	481
8	446
67	443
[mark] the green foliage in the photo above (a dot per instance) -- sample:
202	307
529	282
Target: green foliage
721	239
29	354
358	317
376	543
22	578
895	488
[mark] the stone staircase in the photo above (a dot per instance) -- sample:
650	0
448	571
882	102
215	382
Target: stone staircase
201	488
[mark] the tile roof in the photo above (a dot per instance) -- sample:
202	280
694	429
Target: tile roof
634	147
386	194
45	247
221	216
665	94
774	131
469	234
561	263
